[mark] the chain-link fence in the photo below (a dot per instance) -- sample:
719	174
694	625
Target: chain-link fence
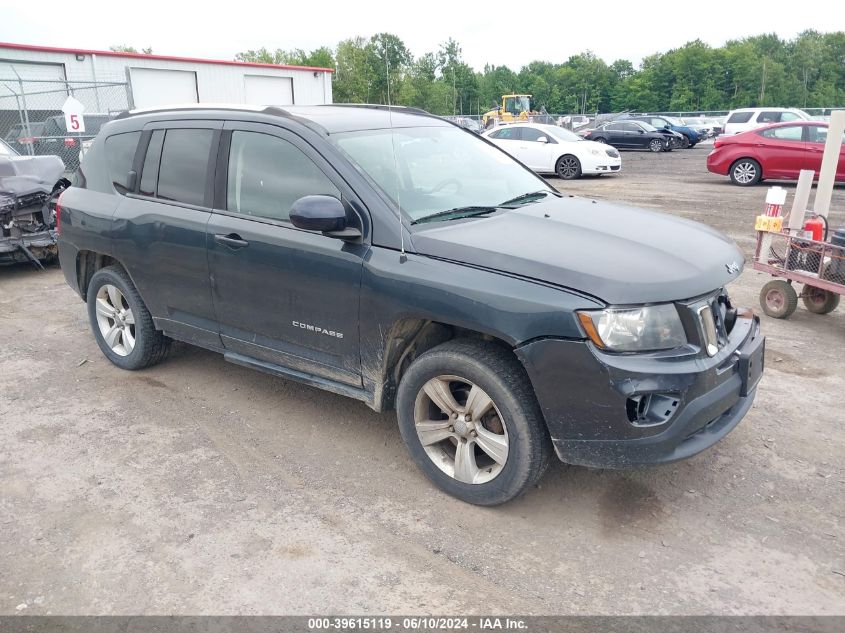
31	118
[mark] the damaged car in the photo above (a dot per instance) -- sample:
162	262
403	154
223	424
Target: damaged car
28	187
391	256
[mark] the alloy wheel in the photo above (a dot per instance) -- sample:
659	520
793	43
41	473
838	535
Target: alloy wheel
745	172
461	430
568	167
115	320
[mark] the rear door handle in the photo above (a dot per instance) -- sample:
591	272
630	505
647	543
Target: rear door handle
232	240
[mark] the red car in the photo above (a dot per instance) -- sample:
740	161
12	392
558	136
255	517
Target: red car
775	152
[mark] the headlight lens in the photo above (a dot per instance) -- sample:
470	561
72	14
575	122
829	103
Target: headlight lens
642	329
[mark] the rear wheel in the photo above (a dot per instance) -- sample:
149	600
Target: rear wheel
819	301
469	417
568	167
746	172
121	323
599	139
778	299
656	145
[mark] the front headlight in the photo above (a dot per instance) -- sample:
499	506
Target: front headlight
642	329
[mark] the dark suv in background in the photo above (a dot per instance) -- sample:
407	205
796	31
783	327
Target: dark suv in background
393	257
55	139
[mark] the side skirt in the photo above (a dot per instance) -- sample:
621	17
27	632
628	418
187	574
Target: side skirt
308	379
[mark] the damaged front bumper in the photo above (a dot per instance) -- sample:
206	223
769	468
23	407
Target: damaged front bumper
626	410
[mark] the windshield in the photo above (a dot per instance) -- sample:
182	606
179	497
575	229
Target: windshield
648	126
518	105
437	168
562	134
673	121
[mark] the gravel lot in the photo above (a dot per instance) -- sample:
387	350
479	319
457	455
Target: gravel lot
201	487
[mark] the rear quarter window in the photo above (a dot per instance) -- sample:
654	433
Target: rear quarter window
120	154
740	117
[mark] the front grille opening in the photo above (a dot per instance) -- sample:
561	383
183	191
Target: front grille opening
651	409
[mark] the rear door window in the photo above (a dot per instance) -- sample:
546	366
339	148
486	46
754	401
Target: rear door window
785	117
120	154
508	134
787	133
184	168
740	117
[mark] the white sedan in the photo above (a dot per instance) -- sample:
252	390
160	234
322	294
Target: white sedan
548	149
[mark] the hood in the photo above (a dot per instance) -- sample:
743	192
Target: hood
619	254
685	129
24	175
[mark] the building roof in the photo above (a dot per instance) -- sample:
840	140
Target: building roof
169	58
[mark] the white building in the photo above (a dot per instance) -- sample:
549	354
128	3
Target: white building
38	78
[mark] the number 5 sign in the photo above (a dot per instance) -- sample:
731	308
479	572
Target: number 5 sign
74	122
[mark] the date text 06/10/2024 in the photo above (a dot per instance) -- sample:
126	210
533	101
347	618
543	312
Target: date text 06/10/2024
426	623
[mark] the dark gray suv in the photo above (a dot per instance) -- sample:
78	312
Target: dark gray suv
393	257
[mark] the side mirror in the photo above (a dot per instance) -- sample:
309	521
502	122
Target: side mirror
641	131
542	139
667	127
322	213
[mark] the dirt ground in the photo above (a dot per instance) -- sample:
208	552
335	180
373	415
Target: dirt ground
202	487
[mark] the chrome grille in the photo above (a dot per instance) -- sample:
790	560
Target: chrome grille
714	320
707	320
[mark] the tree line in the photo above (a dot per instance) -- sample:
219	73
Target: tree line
765	70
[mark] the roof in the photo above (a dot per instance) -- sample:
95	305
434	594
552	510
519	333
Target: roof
169	58
331	119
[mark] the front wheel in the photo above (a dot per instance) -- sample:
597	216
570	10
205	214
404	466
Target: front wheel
122	325
568	167
656	145
469	417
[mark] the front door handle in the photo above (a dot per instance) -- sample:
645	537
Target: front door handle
232	240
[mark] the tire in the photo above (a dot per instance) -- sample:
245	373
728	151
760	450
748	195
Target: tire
746	172
117	311
818	300
685	144
460	367
655	145
778	299
568	167
599	139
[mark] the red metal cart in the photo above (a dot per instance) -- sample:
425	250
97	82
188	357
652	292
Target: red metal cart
819	266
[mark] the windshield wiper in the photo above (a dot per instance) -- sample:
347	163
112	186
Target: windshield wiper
528	197
456	213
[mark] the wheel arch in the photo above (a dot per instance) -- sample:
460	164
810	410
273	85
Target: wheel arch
89	262
746	157
409	338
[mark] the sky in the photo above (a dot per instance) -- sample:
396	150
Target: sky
498	33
